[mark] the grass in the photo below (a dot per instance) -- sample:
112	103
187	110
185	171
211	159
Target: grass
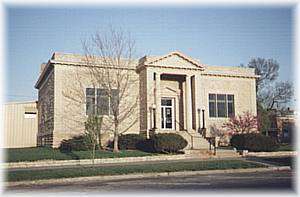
225	147
282	147
286	147
26	175
35	154
280	161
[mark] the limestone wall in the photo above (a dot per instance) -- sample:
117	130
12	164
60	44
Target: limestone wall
46	110
70	104
243	89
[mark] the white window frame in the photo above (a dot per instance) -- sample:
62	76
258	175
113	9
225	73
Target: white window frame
95	93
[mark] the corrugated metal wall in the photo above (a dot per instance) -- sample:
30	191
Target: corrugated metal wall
20	125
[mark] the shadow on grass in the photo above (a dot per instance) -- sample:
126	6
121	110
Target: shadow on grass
70	154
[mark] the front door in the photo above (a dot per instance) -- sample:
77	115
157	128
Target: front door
167	113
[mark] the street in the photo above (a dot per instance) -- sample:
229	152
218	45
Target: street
254	181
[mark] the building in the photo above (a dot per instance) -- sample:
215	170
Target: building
175	93
283	126
20	124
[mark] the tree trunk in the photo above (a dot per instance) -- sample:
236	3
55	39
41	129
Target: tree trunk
116	138
99	141
93	156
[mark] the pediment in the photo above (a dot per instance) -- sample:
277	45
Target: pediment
175	59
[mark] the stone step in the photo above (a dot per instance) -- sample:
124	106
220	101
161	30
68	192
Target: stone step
194	139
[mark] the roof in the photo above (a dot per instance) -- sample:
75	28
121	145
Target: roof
77	59
230	71
154	59
80	60
21	102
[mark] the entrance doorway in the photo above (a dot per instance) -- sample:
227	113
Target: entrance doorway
167	113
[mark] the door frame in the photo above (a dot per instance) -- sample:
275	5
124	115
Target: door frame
173	101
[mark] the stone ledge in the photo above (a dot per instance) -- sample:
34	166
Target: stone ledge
272	154
49	163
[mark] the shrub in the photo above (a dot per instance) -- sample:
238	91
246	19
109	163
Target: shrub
77	143
168	142
253	142
146	145
129	141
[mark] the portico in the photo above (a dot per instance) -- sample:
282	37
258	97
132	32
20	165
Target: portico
171	87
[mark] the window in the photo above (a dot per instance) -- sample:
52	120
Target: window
90	101
230	105
221	105
29	114
212	105
102	102
98	101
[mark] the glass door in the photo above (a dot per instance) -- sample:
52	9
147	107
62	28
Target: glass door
167	113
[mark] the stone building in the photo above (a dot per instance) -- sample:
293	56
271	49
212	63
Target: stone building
175	93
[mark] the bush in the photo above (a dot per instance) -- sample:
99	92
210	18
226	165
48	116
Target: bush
253	142
129	141
77	143
168	142
146	145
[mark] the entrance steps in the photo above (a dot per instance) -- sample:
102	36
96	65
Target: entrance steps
195	140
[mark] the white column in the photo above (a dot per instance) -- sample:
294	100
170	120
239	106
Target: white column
188	103
196	102
158	101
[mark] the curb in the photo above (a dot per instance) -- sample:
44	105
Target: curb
121	160
140	175
48	163
272	154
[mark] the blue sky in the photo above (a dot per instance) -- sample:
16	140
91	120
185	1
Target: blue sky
214	35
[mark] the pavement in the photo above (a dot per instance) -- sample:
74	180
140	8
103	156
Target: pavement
279	181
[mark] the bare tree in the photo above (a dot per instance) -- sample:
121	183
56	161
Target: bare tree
277	94
109	58
216	131
270	92
267	69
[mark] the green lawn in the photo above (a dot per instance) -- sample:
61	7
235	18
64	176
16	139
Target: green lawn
34	154
22	175
280	161
286	147
282	147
